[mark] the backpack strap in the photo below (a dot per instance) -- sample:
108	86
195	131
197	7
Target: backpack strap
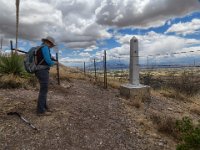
36	57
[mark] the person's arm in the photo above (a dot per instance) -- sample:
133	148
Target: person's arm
47	56
53	58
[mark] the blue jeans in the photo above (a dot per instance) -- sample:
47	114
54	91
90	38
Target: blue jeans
43	77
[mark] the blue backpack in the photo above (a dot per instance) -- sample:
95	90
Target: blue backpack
31	63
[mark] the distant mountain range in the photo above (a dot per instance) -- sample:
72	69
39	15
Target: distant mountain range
112	64
124	64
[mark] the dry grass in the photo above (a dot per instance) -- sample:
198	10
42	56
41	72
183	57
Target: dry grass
67	73
195	109
13	81
29	80
193	101
114	83
169	93
165	123
195	104
136	103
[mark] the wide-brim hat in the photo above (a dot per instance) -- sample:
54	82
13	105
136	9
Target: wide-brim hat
50	39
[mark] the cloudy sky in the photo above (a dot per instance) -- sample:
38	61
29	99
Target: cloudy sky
83	29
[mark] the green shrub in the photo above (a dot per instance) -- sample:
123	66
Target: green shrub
11	64
12	73
189	134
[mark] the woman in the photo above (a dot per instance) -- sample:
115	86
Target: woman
44	58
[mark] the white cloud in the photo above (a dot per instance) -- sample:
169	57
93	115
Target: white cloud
80	45
80	23
144	13
153	44
185	28
79	27
91	48
35	17
66	20
84	54
74	60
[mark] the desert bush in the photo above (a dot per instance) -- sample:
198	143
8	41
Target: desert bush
165	124
148	79
189	134
11	64
184	131
12	73
171	93
185	83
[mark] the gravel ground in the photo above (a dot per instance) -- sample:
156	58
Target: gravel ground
85	117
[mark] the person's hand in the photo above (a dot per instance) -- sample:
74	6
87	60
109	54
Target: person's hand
56	62
53	58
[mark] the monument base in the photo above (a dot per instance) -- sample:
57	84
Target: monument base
140	91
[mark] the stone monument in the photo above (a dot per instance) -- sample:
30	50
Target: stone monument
134	89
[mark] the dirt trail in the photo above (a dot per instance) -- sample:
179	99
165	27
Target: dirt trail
85	117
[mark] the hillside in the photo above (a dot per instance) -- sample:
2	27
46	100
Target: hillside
86	116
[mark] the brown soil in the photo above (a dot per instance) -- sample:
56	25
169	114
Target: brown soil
85	117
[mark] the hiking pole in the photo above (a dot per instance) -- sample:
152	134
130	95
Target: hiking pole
23	119
12	49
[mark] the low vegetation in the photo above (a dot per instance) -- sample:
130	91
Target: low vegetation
189	134
12	73
11	64
174	85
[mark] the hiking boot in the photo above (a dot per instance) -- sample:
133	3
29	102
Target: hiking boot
48	109
46	113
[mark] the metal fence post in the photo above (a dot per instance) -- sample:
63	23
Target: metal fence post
105	71
84	68
1	43
17	23
95	69
58	73
11	46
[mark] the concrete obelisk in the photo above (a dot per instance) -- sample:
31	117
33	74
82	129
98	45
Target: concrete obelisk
134	89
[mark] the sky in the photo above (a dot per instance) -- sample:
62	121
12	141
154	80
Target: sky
83	29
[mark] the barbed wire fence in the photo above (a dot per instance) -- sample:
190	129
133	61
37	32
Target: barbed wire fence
104	70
